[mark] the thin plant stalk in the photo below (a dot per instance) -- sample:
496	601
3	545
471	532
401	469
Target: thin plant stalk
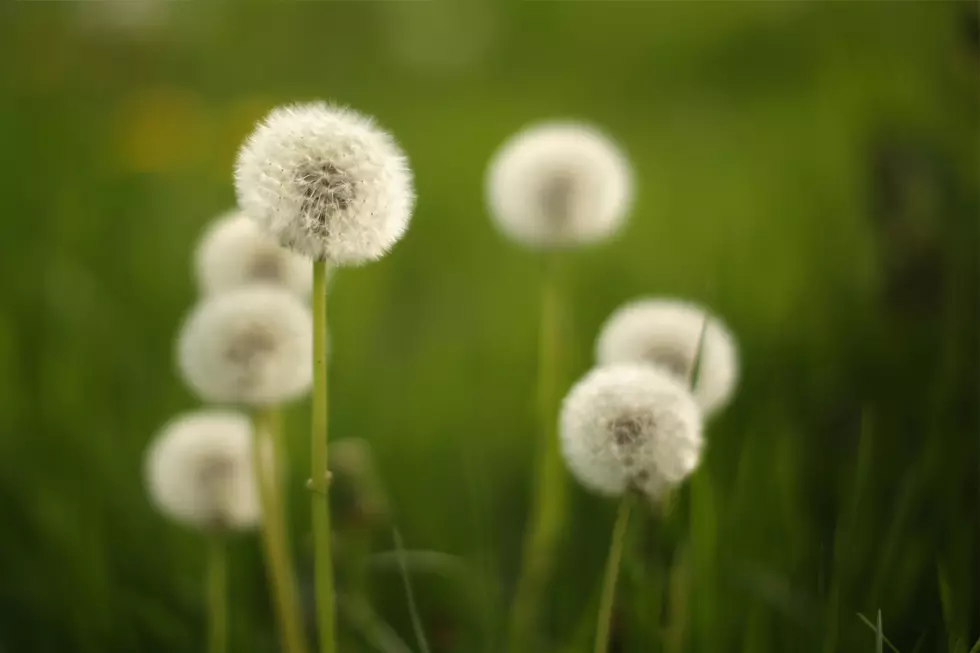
611	575
281	572
323	560
549	501
217	592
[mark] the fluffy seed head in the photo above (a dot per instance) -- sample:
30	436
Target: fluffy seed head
199	471
326	182
666	332
630	426
250	346
558	185
235	252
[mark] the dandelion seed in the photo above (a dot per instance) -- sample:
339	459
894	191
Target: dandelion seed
199	471
559	185
250	346
630	426
326	182
666	332
235	252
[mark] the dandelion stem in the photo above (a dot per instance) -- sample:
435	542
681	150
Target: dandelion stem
323	560
281	572
217	594
549	501
608	596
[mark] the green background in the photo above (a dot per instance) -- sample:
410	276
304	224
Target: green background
808	170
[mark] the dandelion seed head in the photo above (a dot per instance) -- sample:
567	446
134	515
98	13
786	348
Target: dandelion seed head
199	471
630	426
235	252
252	345
666	332
559	184
326	182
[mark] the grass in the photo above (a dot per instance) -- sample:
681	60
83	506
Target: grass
816	161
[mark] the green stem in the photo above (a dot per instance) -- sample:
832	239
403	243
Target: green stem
279	562
217	594
608	597
549	501
323	561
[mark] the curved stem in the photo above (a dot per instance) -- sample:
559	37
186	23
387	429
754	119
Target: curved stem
323	560
279	564
549	500
608	597
217	594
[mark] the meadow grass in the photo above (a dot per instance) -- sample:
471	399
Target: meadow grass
807	170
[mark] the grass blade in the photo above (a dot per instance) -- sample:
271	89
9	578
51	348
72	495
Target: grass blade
412	608
378	634
880	639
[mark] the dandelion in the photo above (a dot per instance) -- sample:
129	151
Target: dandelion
625	429
199	471
667	333
358	495
248	346
234	252
326	182
559	184
331	185
550	187
630	426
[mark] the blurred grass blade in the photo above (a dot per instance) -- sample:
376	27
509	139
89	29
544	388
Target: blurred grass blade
695	372
409	595
435	562
879	635
918	645
373	629
946	602
880	638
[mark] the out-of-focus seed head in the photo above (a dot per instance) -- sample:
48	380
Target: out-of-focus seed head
630	426
559	184
234	252
248	346
356	491
326	182
666	332
199	471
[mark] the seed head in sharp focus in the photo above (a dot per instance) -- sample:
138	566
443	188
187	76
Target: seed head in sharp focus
199	471
234	252
248	346
666	332
559	184
630	426
326	182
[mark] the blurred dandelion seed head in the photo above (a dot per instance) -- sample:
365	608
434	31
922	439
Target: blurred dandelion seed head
234	252
356	489
248	346
326	182
559	185
630	426
199	471
666	333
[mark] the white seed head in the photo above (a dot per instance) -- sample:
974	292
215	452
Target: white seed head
559	185
326	182
630	426
199	471
234	252
666	332
250	346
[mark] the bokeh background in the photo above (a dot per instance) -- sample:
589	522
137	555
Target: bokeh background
808	170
